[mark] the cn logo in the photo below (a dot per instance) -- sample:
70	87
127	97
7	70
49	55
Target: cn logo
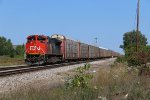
35	48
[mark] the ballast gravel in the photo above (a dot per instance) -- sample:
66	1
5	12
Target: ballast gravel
41	77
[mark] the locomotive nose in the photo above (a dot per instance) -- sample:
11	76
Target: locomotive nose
36	44
33	48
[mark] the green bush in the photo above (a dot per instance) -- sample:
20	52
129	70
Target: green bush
121	59
81	79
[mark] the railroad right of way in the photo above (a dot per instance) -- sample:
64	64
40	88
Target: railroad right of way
41	78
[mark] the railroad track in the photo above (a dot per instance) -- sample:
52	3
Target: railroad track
23	69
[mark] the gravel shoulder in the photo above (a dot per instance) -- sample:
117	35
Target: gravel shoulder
49	77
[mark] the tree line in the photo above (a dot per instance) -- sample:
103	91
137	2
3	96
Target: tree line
6	48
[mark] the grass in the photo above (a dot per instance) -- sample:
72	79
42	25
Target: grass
59	93
119	83
114	83
7	61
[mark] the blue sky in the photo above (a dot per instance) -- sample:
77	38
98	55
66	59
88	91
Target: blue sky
81	20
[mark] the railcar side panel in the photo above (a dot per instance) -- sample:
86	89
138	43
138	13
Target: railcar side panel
102	53
71	49
109	53
83	51
93	52
97	52
105	53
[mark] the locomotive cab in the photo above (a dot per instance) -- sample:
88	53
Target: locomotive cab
42	39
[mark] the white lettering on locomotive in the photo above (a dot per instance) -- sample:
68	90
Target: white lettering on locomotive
35	48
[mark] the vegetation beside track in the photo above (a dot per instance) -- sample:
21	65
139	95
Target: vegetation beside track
117	82
10	54
137	53
8	61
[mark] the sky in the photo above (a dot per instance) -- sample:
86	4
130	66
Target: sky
82	20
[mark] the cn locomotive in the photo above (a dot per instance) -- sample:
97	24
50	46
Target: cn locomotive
42	49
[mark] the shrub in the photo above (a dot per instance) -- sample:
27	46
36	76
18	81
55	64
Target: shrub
81	79
121	59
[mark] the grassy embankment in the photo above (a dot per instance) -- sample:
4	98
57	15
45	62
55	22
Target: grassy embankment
115	83
8	61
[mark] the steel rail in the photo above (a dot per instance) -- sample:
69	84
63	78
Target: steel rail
24	69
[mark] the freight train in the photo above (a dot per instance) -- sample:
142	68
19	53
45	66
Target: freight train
42	49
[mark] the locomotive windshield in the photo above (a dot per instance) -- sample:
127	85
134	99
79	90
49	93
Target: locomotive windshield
41	38
31	38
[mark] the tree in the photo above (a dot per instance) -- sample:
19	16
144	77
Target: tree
9	47
20	49
129	47
129	40
6	47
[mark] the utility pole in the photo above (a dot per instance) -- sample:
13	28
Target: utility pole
137	27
